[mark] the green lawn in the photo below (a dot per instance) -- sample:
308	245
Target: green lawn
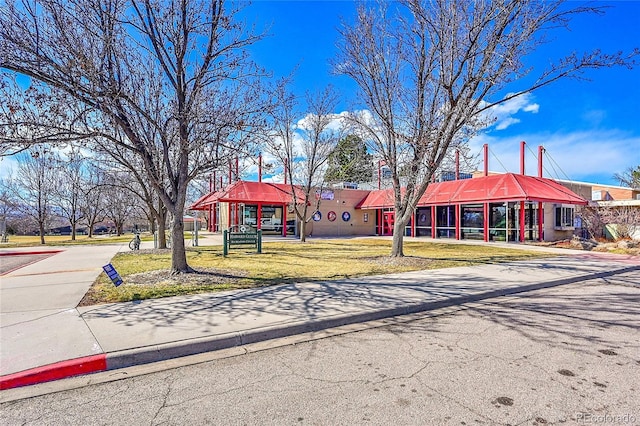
283	262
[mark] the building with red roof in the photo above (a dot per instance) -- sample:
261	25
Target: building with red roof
497	207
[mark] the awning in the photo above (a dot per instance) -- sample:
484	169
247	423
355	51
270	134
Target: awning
379	199
249	192
486	189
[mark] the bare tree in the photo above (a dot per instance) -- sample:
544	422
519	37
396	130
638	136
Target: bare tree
630	177
7	204
623	220
120	203
34	187
169	83
429	73
131	180
92	201
591	220
304	145
69	188
128	174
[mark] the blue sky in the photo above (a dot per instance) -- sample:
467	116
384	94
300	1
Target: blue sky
590	129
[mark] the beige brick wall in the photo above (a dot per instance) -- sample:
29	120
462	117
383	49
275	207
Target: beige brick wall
344	200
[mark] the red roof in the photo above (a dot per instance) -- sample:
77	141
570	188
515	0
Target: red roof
494	188
382	198
248	192
205	201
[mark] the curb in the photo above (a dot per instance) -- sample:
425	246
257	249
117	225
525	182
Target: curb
176	349
155	353
56	371
28	253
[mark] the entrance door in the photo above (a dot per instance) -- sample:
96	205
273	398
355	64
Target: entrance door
388	219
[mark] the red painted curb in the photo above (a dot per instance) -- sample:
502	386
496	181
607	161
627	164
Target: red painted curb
27	253
57	371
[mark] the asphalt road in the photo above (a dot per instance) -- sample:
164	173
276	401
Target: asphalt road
12	262
567	355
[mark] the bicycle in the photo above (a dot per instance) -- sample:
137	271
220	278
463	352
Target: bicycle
134	244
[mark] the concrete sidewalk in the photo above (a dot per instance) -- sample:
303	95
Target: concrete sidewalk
44	336
39	323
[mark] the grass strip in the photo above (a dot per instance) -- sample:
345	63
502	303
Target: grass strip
146	273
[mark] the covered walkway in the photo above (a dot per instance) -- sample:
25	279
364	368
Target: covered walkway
505	207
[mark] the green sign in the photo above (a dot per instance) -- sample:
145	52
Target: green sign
242	239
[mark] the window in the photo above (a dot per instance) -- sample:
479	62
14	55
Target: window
564	217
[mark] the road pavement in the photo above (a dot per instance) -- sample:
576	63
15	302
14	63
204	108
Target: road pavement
45	336
564	355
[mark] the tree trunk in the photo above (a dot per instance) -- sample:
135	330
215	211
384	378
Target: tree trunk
398	238
162	227
41	226
178	252
303	231
91	225
73	231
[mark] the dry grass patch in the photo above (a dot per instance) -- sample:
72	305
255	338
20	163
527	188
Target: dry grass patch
65	240
145	273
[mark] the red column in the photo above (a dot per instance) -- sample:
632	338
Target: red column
210	217
260	167
379	227
485	149
237	213
229	223
457	219
485	208
540	152
521	221
522	144
540	209
433	222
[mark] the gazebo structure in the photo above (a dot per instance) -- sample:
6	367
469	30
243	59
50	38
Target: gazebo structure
262	205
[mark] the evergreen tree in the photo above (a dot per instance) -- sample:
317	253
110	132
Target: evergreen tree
350	161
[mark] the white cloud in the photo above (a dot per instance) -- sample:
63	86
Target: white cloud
501	116
506	122
337	121
592	156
